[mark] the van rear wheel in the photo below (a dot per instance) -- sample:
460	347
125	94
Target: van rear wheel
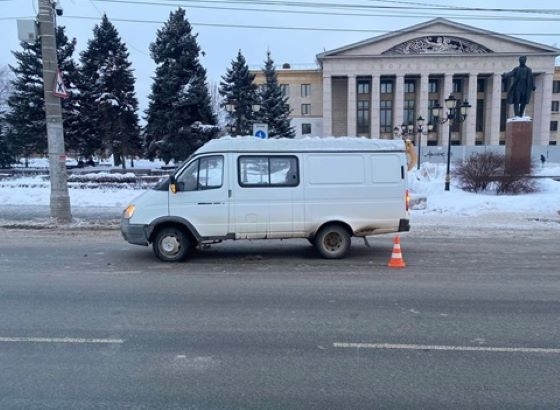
171	244
332	242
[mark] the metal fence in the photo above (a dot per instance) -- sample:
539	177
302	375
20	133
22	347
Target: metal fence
438	153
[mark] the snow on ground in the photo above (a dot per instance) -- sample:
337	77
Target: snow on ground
443	207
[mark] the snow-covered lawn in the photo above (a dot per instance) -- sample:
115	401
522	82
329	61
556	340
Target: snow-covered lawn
443	207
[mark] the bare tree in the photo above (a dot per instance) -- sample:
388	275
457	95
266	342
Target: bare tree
6	87
215	102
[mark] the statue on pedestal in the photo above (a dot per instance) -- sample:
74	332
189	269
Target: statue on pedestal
519	92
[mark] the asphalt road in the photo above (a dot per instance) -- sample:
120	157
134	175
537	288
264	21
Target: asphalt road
89	321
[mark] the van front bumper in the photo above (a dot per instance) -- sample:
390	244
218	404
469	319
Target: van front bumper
134	233
404	225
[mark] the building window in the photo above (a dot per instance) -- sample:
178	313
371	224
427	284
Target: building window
305	90
555	106
305	129
503	115
285	89
505	84
431	103
363	87
556	87
267	171
305	109
433	86
479	115
480	85
457	85
553	125
386	87
386	116
363	117
408	117
409	86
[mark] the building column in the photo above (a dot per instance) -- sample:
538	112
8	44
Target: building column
447	91
398	101
327	106
469	127
542	103
352	106
422	103
375	106
495	110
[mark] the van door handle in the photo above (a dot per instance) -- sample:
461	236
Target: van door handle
229	193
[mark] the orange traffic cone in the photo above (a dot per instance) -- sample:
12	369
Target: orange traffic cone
396	260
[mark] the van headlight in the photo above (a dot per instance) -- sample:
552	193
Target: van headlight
129	211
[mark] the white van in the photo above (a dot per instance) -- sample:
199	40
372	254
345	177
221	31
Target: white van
323	189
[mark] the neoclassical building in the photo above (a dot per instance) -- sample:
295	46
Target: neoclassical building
370	87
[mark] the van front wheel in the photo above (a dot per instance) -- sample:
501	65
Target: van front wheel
171	244
332	242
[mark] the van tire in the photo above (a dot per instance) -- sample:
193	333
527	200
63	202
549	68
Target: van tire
332	242
171	244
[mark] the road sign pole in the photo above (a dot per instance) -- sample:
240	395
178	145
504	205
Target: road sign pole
260	130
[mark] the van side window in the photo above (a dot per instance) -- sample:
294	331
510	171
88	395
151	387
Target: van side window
204	173
268	171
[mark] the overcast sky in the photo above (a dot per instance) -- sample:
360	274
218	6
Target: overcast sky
294	31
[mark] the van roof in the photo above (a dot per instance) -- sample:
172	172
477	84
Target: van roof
249	143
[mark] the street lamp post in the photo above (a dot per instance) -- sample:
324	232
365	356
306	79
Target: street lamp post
420	130
455	114
240	119
406	130
403	131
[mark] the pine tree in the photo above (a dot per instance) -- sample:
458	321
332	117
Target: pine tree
109	103
275	111
70	106
180	104
26	124
239	92
26	130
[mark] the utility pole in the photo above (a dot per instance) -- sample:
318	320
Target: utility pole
60	199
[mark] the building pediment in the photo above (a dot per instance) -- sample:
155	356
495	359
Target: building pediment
437	44
442	37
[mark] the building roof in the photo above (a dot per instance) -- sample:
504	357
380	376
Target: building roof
486	39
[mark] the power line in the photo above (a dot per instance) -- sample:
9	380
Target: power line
260	27
423	6
168	3
323	6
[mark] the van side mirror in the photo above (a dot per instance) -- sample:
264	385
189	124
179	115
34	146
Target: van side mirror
172	184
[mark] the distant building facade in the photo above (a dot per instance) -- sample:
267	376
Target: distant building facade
371	87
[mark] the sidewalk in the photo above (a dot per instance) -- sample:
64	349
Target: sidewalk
38	217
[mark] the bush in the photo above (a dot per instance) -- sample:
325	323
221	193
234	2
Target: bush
514	180
484	171
479	171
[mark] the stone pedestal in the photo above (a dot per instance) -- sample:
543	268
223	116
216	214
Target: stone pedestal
519	140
